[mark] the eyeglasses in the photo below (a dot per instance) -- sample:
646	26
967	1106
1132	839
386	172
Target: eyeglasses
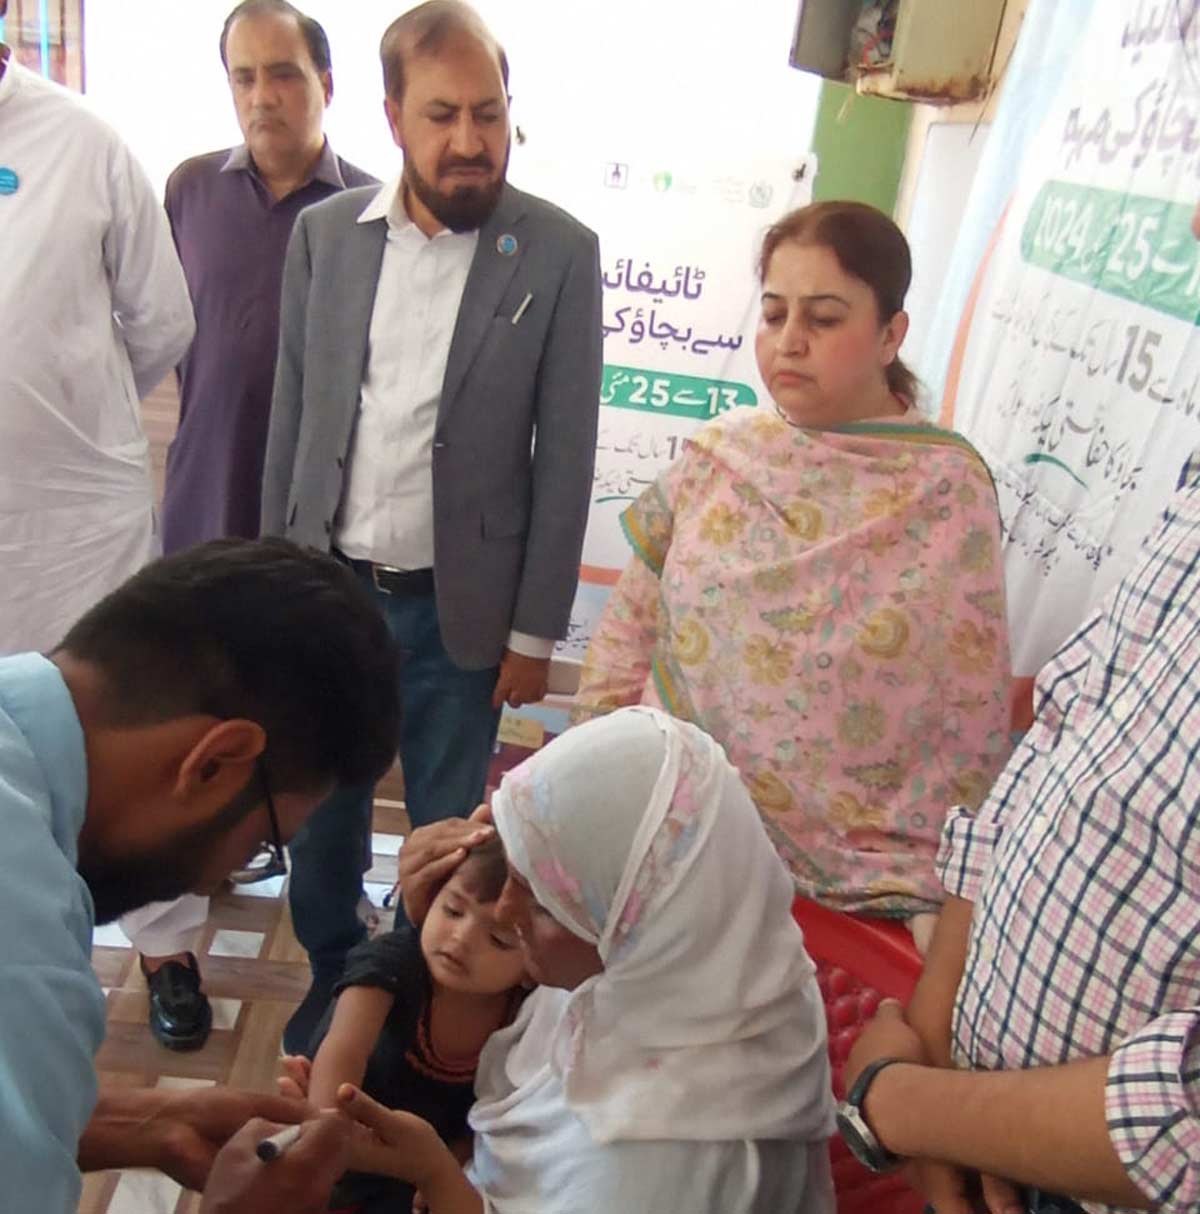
268	861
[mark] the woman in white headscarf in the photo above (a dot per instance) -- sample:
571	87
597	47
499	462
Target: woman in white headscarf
674	1056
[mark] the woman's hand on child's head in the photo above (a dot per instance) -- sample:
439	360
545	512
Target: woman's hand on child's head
431	853
391	1142
481	815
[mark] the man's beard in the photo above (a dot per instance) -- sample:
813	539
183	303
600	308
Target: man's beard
466	207
121	884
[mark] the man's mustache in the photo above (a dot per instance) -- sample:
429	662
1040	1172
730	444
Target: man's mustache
475	162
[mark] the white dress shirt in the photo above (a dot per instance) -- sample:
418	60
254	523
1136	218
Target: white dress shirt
386	513
94	311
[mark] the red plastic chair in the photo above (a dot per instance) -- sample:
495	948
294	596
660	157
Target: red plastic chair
859	962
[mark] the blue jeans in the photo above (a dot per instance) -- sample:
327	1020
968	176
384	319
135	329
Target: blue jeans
447	733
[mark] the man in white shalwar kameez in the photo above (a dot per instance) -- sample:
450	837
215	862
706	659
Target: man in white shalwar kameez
94	311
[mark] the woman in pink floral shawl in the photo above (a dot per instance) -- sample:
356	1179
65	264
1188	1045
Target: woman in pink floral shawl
820	586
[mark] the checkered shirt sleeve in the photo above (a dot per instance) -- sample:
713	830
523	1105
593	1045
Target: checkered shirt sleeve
1152	1102
1084	869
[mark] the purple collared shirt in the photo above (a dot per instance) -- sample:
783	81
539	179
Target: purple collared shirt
232	237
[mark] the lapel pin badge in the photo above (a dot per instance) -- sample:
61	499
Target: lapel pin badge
506	245
10	182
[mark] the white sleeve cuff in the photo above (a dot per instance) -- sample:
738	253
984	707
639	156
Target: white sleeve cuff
529	646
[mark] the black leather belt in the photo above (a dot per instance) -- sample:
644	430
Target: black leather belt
403	583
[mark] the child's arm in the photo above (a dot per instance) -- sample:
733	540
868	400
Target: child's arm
358	1019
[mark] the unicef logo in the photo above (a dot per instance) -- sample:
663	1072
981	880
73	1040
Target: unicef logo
759	194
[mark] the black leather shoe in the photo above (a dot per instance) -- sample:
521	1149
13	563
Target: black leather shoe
180	1014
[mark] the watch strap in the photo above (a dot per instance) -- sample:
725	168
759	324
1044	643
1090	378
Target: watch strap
858	1093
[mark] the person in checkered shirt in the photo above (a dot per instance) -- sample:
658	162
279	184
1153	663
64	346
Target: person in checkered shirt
1064	977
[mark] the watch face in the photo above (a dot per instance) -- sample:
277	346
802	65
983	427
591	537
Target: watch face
861	1142
848	1128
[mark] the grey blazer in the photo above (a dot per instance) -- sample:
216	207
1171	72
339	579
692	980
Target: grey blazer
516	428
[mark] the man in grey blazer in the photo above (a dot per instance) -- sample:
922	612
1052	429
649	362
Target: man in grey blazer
434	423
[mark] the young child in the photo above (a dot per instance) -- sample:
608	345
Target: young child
412	1014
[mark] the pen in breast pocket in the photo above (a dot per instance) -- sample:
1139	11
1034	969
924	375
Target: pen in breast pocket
521	310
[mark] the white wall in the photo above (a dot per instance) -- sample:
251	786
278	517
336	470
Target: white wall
945	145
943	183
685	77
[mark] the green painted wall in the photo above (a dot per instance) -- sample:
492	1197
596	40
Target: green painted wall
860	144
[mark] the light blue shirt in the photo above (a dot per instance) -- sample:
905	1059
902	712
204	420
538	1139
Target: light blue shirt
51	1006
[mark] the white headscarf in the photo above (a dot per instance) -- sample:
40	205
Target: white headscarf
636	833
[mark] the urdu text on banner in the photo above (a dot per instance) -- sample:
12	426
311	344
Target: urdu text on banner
1076	371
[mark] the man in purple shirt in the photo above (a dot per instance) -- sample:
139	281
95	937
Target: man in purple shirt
231	214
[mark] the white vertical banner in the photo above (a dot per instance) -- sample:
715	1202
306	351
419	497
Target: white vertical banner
1077	367
678	244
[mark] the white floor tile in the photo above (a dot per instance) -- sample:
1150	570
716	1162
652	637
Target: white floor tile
229	943
225	1012
110	935
144	1193
386	845
272	887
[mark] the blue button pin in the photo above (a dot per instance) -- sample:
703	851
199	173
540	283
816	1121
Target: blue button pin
507	245
9	181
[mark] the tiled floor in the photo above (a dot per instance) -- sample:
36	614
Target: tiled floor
254	973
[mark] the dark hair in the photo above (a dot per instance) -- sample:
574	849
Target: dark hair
256	629
423	31
314	33
485	870
869	246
